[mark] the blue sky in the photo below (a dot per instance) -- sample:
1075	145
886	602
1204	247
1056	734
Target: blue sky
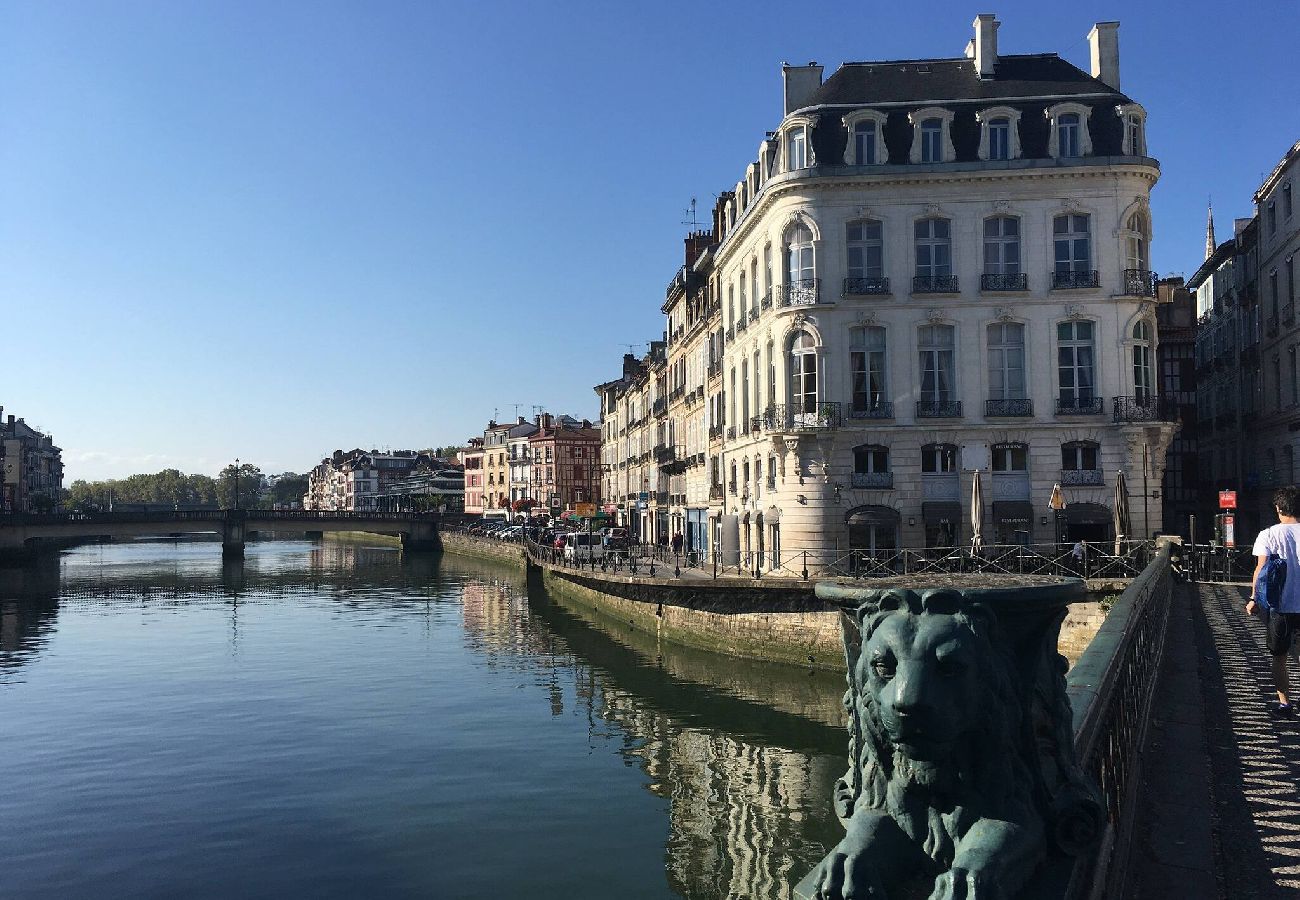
268	230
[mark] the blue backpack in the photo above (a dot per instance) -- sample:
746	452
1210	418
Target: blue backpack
1272	579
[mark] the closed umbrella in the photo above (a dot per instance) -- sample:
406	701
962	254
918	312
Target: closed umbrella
976	513
1120	512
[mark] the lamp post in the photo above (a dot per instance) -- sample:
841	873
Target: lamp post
236	482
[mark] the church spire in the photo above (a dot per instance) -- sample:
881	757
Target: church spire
1209	231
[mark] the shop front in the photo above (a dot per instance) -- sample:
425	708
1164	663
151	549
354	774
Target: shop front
1088	522
1013	522
942	520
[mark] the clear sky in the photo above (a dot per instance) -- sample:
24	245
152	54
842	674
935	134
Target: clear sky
268	230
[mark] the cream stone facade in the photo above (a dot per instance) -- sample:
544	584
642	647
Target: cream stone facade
926	271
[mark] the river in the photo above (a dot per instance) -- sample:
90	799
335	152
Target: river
332	720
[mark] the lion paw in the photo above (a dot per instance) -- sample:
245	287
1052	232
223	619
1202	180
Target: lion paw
845	876
966	884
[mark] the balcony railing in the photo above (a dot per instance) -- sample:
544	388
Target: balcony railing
741	322
881	409
715	369
935	284
731	432
660	407
1071	280
715	432
1079	406
1144	409
766	302
1008	408
1004	282
866	286
731	334
753	315
873	479
1139	282
1081	477
715	492
938	409
794	418
800	292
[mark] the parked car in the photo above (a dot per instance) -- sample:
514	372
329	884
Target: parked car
579	547
616	539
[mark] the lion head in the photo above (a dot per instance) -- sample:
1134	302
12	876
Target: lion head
935	715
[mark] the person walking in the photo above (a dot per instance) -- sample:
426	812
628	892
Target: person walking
1274	547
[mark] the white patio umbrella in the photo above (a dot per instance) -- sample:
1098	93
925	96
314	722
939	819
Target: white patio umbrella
976	513
1120	512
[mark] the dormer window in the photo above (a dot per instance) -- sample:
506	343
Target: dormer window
1069	131
866	138
1134	120
796	148
932	138
999	133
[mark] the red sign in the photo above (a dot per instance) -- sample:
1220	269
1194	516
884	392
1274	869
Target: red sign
1227	499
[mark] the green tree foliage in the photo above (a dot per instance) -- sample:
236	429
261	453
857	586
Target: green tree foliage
249	481
289	488
169	486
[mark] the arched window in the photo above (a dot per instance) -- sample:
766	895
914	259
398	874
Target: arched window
1139	233
803	375
1143	383
796	148
800	280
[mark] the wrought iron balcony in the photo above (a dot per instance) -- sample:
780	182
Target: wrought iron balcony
1081	477
1144	409
715	369
800	292
1004	282
731	334
741	322
731	432
873	479
677	393
731	487
756	422
1072	280
866	286
938	409
935	284
753	315
782	417
715	433
881	409
1139	283
766	302
1079	406
660	407
715	492
1009	408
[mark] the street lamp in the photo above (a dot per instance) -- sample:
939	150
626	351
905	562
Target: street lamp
236	482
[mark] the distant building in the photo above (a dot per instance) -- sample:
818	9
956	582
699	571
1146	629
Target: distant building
472	459
1181	490
32	468
357	479
565	464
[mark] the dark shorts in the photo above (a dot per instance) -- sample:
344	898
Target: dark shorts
1282	627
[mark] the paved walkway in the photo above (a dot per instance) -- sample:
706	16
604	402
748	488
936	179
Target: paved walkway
1221	780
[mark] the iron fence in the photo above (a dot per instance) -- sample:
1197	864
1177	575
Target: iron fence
1069	280
1004	282
857	286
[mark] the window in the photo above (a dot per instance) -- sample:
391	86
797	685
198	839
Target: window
1067	136
1272	217
1290	279
932	140
939	459
803	373
867	359
1272	287
1295	378
1007	361
1138	233
1143	384
1133	135
799	256
865	253
771	375
1073	243
1010	458
1286	200
936	343
864	143
1077	383
796	148
1079	456
870	458
933	248
753	281
767	271
744	395
743	302
999	138
1002	246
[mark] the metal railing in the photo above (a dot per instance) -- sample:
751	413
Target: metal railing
935	284
766	302
1139	283
1144	409
800	292
881	409
1081	477
793	417
1072	279
872	479
1009	408
938	409
859	285
1079	406
1111	690
1004	282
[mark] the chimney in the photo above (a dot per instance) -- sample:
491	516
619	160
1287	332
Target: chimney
1103	41
986	44
801	82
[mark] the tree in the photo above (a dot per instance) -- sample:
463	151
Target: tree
250	486
289	488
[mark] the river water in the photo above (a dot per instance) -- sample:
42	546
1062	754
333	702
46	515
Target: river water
331	720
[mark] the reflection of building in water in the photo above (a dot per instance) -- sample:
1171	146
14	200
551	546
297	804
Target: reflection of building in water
744	819
25	628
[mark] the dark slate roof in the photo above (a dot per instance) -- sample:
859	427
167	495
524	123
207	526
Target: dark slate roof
916	81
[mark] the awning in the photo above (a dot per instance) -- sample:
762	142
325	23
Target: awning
872	515
1087	514
941	513
1013	512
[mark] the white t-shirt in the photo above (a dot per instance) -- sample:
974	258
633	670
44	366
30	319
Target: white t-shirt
1284	541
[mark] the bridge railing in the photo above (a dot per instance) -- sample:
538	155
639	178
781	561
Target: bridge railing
1111	689
217	515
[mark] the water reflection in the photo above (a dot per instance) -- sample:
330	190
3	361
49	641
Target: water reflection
741	755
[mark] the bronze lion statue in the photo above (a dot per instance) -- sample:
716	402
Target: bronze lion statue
948	778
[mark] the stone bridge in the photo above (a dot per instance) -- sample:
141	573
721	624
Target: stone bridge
20	532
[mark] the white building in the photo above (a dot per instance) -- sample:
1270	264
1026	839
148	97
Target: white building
932	266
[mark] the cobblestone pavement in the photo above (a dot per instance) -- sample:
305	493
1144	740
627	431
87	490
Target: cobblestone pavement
1221	780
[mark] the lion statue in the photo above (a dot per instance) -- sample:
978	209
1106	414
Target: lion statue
946	779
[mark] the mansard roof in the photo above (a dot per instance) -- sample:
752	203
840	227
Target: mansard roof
923	81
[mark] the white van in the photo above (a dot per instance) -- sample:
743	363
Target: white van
581	547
